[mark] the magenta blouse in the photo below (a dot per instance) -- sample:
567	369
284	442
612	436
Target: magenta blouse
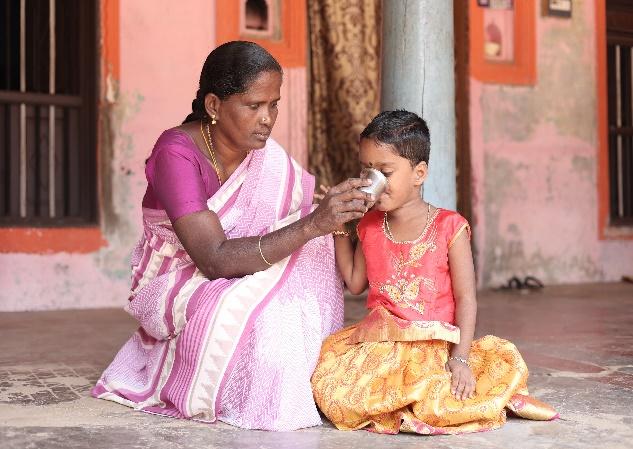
180	179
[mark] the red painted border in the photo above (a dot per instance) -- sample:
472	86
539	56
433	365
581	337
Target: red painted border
602	112
605	231
523	70
50	240
73	240
290	51
111	39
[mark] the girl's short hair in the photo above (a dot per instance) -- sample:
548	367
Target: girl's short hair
405	131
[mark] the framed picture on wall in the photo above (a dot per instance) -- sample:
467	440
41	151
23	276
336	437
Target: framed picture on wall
501	4
499	35
503	42
495	4
560	8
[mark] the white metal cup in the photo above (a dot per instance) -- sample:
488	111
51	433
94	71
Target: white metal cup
378	182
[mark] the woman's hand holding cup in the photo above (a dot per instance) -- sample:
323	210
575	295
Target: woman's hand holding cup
377	186
342	203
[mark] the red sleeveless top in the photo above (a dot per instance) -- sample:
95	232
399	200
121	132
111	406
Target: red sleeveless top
411	280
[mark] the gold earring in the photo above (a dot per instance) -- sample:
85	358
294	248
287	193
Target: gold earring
213	120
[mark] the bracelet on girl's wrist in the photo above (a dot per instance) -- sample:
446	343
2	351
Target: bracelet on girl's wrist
459	359
340	233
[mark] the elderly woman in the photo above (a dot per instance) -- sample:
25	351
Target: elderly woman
233	282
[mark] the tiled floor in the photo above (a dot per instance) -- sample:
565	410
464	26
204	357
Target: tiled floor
577	340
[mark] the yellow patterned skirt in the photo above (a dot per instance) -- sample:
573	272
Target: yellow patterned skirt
392	386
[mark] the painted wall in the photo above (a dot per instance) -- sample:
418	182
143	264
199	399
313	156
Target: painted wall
163	45
291	128
534	173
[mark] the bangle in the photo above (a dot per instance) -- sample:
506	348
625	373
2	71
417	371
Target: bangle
459	359
259	245
340	233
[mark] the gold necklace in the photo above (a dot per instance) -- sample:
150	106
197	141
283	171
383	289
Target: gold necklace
390	236
209	144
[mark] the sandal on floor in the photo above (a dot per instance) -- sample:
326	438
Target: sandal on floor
532	283
528	283
514	283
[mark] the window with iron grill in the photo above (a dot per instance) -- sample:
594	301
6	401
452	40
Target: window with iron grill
620	104
48	92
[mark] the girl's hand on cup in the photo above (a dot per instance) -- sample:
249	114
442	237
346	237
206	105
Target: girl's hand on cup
342	203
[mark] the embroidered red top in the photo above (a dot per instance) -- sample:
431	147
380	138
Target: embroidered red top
411	280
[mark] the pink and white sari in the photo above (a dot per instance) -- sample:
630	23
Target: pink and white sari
238	350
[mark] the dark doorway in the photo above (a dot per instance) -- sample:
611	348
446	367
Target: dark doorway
620	110
48	112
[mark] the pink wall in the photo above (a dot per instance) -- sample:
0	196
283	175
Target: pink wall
534	174
292	121
163	45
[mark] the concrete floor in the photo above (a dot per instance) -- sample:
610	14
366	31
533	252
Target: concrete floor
577	340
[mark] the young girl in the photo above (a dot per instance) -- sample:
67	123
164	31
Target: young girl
410	364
